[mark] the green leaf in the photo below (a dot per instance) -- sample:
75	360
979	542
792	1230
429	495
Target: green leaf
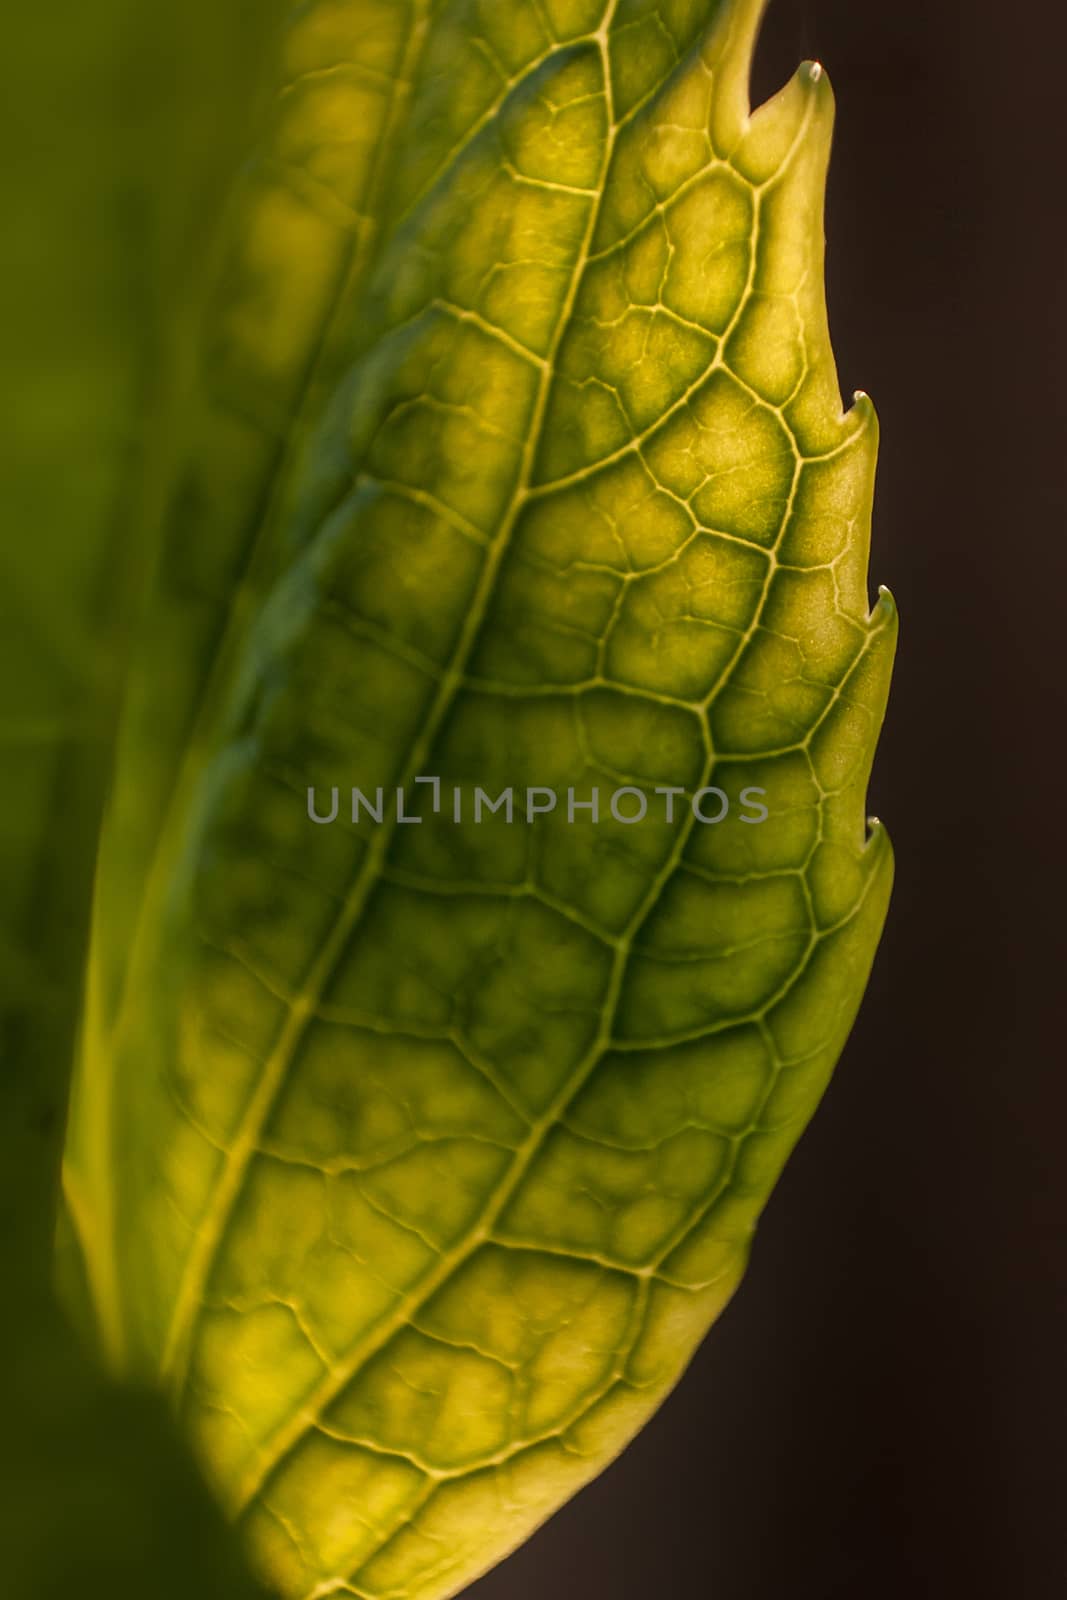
417	1159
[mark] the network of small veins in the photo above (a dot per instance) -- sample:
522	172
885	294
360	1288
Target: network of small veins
620	943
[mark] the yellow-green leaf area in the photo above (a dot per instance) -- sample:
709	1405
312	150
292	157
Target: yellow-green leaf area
434	1123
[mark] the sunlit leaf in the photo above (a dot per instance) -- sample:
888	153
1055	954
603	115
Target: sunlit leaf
418	1157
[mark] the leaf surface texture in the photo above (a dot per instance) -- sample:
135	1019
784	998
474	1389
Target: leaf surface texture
430	1152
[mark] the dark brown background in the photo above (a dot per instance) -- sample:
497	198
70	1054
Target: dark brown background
881	1413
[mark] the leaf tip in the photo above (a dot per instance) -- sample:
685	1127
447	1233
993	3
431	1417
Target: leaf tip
877	846
885	603
813	77
861	411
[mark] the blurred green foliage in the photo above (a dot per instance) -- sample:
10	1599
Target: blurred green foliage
120	127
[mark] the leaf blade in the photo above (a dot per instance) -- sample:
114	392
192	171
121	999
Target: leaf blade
489	1017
